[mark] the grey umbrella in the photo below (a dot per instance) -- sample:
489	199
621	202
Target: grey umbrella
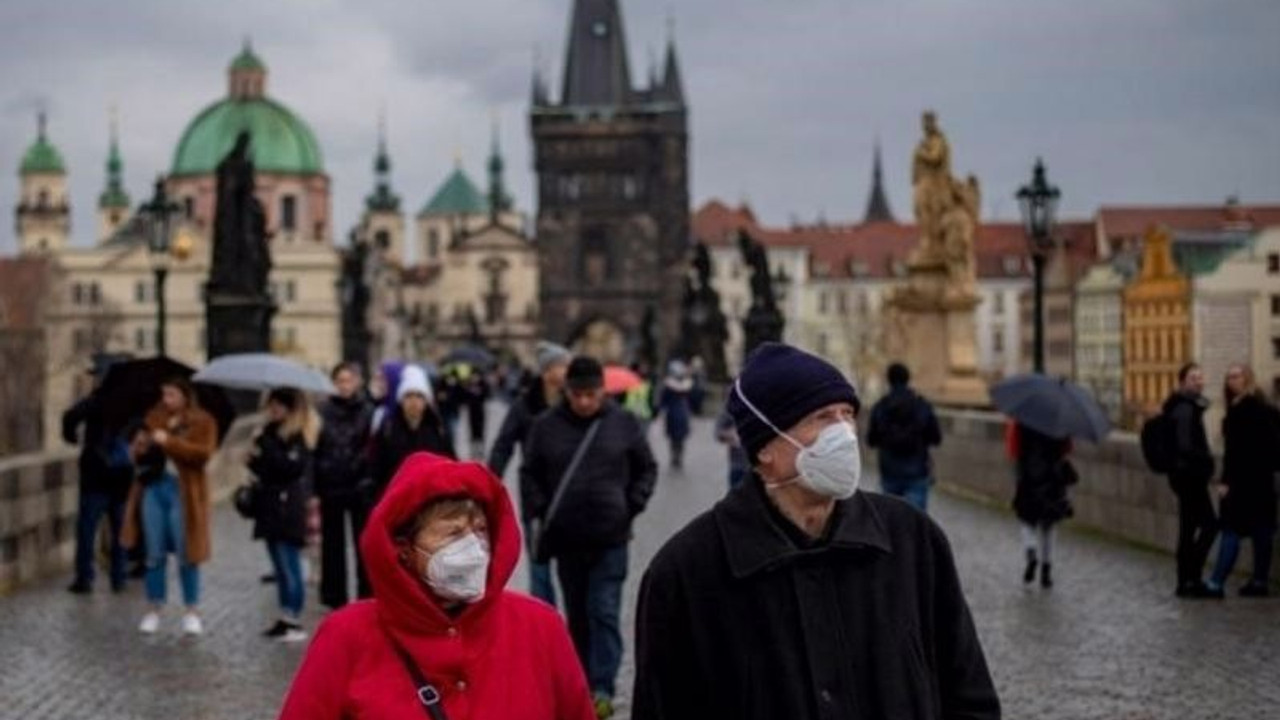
1054	406
260	371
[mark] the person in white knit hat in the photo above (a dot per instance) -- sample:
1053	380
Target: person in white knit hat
413	426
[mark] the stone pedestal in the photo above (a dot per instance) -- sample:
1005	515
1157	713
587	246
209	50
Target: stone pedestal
237	324
931	329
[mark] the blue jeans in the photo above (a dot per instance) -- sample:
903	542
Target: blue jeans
1229	550
592	583
163	532
913	490
286	559
540	583
92	507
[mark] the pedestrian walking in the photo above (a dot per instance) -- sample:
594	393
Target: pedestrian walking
674	406
343	483
638	400
797	596
475	395
172	505
697	373
1040	500
1192	468
413	425
442	630
106	473
587	473
1250	436
903	428
281	461
727	435
546	391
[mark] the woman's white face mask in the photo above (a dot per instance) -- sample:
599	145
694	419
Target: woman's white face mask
458	571
831	466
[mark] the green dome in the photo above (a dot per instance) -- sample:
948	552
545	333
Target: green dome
280	141
42	157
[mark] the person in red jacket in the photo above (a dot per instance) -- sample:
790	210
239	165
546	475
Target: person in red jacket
442	636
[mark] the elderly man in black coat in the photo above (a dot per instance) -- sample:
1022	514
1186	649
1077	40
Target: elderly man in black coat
798	596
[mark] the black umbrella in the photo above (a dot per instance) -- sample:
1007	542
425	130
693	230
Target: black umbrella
1052	406
470	355
132	388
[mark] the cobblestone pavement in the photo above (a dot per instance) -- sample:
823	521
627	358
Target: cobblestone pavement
1109	641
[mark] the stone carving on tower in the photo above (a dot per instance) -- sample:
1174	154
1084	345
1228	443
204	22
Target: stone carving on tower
930	316
704	328
764	322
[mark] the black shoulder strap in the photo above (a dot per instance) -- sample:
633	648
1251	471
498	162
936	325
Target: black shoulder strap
427	693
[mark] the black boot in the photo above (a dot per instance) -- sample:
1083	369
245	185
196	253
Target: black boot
1029	575
1046	577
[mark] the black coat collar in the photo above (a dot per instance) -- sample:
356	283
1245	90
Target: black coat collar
753	542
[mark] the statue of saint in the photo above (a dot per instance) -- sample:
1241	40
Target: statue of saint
241	261
959	226
931	182
761	282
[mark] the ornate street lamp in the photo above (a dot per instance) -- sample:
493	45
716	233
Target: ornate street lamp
1039	202
161	248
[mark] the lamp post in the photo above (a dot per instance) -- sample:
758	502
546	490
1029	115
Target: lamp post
1038	202
159	246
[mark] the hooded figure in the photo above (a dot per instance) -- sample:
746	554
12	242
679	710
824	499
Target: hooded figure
503	655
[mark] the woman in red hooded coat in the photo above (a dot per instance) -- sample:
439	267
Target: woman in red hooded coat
439	549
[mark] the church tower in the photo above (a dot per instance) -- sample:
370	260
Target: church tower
43	213
878	200
383	225
113	203
613	194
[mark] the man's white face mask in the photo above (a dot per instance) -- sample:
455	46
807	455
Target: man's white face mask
831	466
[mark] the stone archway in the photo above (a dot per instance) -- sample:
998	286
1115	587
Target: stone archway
601	339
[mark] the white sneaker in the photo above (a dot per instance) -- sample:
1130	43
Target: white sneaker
150	623
294	634
191	624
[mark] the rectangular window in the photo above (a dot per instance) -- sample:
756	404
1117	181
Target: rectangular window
95	294
822	303
997	341
844	302
288	213
189	207
290	291
81	340
140	336
433	243
822	344
1275	304
77	294
997	303
1275	348
1273	264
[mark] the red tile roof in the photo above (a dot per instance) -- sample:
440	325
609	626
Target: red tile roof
1133	221
872	250
24	286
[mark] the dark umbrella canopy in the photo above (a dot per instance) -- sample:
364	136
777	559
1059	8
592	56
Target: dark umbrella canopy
132	388
1052	406
470	355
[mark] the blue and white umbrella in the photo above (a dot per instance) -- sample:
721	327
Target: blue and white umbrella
261	371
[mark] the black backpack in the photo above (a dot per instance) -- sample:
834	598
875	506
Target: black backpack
902	429
1159	447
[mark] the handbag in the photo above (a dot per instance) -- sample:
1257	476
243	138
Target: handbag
428	695
538	528
245	499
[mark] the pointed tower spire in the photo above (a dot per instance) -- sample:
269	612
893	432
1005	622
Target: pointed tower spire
382	198
499	201
672	82
114	195
596	70
878	202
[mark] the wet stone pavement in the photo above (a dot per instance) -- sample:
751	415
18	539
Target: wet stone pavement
1109	641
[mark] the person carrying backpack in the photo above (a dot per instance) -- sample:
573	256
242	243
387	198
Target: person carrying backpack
903	428
1188	462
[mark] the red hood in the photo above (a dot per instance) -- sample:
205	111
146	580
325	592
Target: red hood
402	598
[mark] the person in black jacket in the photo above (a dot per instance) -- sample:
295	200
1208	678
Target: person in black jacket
414	426
280	460
1250	435
343	483
545	391
1040	497
589	529
903	428
105	475
1192	469
798	596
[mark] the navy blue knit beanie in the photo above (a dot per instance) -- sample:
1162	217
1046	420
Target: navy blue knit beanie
784	384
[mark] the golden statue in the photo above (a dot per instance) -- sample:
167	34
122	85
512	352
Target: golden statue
931	180
959	225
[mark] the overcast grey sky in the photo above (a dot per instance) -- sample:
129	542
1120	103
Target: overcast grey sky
1129	101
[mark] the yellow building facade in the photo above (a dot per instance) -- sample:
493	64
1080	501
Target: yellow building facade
1157	328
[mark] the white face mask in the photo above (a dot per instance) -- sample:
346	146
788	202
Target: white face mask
459	570
831	466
